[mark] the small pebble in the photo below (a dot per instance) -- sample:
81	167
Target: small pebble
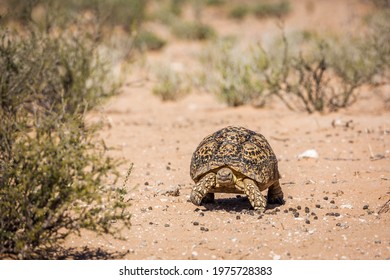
307	210
290	197
332	201
318	206
195	223
343	225
337	214
204	229
285	211
365	207
326	198
146	183
238	217
378	242
150	208
201	214
166	225
296	214
315	218
299	207
273	212
307	221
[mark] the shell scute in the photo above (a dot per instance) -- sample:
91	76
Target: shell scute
241	149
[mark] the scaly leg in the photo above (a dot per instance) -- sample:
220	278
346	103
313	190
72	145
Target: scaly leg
256	199
202	188
275	194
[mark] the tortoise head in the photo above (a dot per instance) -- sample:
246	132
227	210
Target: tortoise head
225	177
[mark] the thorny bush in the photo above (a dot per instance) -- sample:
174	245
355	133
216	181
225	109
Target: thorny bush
53	173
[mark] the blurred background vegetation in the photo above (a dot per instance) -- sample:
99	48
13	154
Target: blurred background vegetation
60	59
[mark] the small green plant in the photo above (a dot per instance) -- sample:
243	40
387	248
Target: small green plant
148	41
169	84
233	77
192	30
375	43
237	84
215	2
239	12
176	6
265	9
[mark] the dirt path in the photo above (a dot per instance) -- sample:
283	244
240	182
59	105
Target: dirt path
332	202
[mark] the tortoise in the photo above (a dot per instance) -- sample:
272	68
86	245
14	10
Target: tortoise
235	160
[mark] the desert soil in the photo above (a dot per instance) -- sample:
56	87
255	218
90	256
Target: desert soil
332	202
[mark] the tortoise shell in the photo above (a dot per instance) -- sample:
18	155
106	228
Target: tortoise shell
243	150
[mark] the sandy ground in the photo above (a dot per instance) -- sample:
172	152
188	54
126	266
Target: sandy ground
332	202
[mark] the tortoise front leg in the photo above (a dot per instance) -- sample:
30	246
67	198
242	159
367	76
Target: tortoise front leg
255	197
202	188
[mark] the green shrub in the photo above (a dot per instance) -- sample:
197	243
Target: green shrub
176	6
232	76
169	84
215	2
146	40
192	30
111	13
307	73
53	174
265	9
237	84
53	185
376	41
19	10
325	77
239	12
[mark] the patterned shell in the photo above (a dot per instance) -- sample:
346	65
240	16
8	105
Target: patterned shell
241	149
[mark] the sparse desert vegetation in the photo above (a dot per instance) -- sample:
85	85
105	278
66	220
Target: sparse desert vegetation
83	91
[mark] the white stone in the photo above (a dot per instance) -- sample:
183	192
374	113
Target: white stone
309	154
